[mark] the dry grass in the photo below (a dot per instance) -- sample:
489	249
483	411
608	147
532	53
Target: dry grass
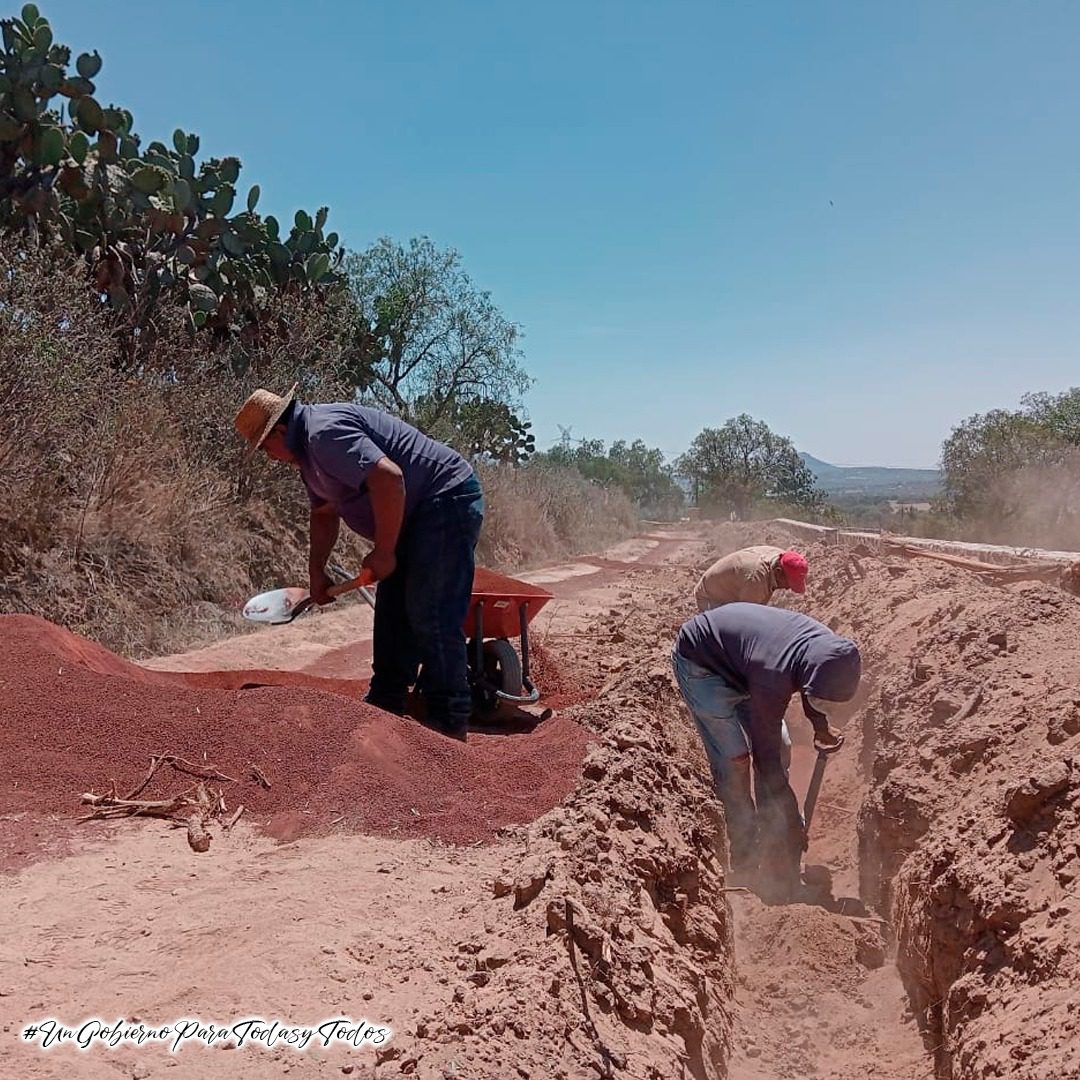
124	513
539	513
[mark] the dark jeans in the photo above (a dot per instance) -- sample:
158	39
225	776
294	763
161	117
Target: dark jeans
421	607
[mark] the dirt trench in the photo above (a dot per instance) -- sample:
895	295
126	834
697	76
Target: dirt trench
967	746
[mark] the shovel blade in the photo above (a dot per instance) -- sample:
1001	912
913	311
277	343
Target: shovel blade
277	606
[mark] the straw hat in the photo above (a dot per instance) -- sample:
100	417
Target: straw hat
259	414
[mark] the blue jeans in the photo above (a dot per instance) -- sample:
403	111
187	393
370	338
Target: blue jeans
722	716
421	607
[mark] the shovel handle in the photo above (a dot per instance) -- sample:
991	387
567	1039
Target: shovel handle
363	579
814	789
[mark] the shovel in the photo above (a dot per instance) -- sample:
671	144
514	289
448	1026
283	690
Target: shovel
281	606
816	777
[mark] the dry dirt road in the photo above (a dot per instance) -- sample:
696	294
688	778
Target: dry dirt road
549	901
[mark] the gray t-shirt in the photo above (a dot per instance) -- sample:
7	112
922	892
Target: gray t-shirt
337	445
771	654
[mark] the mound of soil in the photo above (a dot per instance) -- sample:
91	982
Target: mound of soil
74	717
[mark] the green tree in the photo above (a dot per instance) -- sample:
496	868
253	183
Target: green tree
427	339
486	430
985	450
638	470
647	478
736	466
588	456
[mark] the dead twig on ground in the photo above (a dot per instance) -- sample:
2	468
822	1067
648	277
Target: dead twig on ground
203	772
113	806
197	837
552	615
192	808
259	777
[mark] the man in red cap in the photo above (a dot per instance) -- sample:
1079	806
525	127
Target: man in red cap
750	576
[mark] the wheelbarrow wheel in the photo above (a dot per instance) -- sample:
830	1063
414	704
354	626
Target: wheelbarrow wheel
502	667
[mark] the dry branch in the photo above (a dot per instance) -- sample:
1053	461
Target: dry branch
192	808
203	772
197	837
259	777
111	806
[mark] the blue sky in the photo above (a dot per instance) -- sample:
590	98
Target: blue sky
856	221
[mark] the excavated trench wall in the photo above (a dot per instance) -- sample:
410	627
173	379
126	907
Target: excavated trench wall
620	926
969	837
616	922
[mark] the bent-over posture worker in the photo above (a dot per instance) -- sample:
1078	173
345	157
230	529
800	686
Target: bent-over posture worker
421	505
738	667
750	576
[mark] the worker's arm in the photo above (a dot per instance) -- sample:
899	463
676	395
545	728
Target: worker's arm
825	739
352	458
386	489
323	532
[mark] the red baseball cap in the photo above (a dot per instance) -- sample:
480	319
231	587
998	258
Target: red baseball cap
795	568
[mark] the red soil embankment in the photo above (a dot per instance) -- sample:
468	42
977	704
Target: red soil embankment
74	717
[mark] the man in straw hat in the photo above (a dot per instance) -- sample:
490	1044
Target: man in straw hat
420	504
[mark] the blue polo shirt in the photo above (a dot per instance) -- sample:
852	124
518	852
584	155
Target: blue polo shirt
771	654
337	445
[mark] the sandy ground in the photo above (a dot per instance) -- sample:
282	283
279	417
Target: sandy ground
304	932
316	642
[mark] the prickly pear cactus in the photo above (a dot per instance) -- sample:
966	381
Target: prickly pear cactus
153	223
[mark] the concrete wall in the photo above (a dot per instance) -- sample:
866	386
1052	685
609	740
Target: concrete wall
995	553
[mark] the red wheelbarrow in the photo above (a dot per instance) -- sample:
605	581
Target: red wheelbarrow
501	609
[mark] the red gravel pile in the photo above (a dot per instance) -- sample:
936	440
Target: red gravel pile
560	684
73	717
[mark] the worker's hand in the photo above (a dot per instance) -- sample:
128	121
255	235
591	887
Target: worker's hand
319	586
827	741
380	563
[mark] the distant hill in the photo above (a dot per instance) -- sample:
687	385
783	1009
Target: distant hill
905	485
